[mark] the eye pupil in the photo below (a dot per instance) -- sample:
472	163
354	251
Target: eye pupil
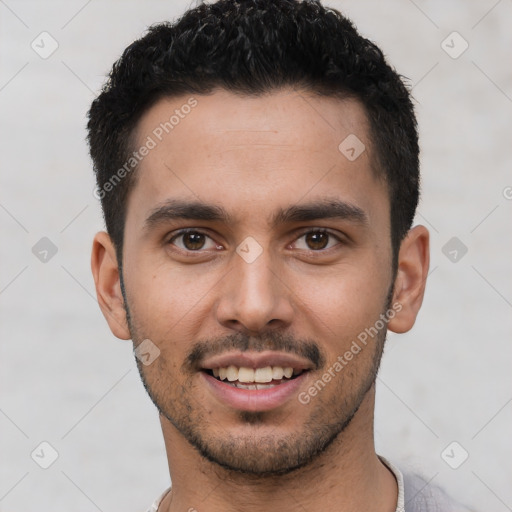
193	241
317	240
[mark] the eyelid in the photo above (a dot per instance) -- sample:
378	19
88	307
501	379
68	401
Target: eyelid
327	231
305	231
184	231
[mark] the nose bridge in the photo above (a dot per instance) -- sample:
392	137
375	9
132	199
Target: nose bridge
253	296
255	277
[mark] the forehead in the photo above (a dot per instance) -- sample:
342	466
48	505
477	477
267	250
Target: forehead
254	151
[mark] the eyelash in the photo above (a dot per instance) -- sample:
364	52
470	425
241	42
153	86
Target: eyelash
201	251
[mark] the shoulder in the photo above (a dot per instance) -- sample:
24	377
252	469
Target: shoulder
421	495
158	501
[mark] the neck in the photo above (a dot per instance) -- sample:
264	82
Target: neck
348	476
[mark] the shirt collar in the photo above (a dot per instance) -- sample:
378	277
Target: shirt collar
400	506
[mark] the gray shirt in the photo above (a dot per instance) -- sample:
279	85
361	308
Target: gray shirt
415	494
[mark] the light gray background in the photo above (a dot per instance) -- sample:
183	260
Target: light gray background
66	380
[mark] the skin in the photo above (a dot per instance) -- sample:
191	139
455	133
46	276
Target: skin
253	156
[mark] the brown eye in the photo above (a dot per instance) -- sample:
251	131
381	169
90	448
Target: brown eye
317	240
192	240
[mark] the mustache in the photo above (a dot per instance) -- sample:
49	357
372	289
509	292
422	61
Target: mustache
306	348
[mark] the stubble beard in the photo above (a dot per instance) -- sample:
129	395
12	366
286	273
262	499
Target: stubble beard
260	454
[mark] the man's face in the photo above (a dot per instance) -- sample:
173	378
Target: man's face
287	262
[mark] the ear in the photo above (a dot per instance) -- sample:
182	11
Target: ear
413	263
105	271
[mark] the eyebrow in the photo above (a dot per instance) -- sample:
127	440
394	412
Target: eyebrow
175	209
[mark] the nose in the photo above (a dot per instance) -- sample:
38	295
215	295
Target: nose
254	297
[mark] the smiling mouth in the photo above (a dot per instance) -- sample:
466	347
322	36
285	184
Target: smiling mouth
255	378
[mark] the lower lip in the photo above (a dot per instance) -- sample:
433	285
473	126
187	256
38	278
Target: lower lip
254	399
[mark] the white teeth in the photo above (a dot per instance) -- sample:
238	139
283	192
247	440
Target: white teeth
232	373
259	376
265	386
254	386
246	386
245	374
277	372
288	372
263	374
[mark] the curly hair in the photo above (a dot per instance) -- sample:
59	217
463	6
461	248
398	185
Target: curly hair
253	47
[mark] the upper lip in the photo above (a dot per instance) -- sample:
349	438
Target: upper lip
256	360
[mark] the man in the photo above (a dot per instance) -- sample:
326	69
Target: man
257	164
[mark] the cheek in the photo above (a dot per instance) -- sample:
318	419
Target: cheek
168	302
343	303
346	287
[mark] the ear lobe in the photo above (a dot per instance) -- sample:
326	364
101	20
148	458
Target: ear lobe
409	289
105	271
